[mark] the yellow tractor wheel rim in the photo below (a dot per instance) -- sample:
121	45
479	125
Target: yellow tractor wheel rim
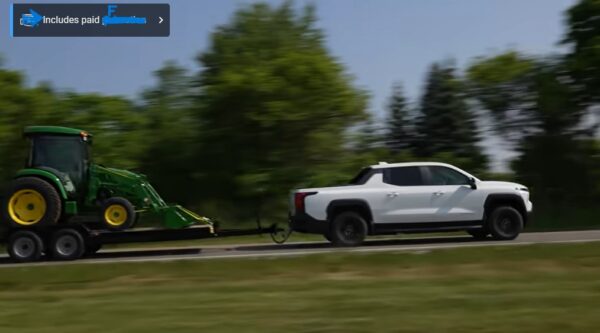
27	207
115	215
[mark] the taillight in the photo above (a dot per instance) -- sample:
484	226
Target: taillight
299	200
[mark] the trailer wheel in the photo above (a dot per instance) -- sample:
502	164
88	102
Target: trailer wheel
67	244
25	246
280	234
118	214
31	202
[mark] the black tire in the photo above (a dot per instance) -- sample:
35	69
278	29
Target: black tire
118	214
25	246
67	244
327	237
478	233
18	194
505	223
348	229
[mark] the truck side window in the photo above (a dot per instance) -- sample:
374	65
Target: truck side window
404	176
446	176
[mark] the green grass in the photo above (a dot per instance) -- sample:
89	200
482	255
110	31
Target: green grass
538	288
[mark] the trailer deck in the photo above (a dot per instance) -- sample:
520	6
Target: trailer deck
73	241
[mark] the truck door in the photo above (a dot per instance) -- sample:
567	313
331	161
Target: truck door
403	198
452	198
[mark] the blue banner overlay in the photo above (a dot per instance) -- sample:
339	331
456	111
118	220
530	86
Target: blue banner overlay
90	20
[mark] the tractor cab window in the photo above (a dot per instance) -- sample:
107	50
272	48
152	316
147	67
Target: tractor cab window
66	154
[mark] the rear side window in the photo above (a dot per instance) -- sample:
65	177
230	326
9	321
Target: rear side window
404	176
361	177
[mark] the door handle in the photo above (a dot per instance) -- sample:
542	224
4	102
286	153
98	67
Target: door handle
392	194
438	193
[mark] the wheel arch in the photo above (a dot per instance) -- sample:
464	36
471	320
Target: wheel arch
505	199
359	206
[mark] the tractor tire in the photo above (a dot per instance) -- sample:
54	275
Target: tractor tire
348	229
25	246
31	202
67	244
118	214
505	223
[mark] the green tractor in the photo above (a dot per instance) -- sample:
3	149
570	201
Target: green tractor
60	185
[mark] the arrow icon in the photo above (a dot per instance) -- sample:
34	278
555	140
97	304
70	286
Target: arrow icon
32	19
160	20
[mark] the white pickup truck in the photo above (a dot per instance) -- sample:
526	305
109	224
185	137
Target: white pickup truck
411	197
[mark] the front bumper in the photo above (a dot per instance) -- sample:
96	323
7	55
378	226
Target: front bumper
307	224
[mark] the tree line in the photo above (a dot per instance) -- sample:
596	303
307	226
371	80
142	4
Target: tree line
271	109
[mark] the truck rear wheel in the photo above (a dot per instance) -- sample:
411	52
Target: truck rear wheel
31	201
25	246
348	229
67	244
118	214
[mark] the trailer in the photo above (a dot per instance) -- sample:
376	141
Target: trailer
63	205
75	241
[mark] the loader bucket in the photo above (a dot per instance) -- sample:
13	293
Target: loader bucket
177	217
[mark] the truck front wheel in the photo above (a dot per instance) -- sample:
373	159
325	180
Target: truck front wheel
505	223
348	229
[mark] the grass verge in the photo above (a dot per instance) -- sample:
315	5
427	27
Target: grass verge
549	288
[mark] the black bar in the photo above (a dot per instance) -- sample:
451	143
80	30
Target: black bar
90	20
152	235
163	235
244	232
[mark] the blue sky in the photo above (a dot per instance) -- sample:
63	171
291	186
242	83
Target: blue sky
379	41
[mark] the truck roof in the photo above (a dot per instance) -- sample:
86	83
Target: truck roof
382	165
32	130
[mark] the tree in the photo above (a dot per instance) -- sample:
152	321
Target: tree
276	106
444	123
537	106
171	133
399	136
583	37
19	106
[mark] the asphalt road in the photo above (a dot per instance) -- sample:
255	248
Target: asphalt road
295	249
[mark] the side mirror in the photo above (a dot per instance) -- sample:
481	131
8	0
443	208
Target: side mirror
472	183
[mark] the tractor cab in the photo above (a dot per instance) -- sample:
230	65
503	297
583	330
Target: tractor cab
61	151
